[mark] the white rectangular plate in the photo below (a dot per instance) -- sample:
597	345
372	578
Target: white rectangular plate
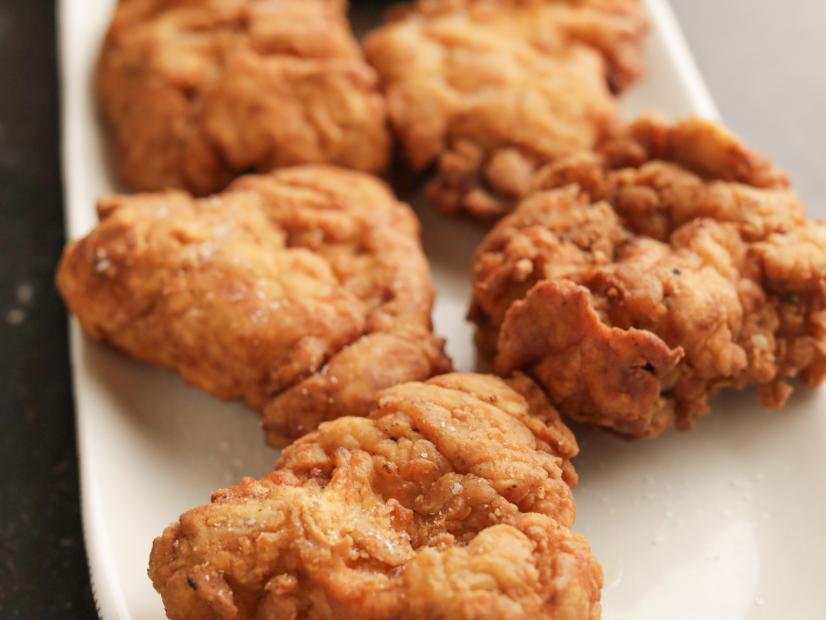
727	522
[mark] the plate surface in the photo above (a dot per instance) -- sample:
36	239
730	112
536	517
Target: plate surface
727	522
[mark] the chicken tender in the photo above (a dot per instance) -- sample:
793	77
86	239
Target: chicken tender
614	27
639	280
302	292
489	90
197	93
451	501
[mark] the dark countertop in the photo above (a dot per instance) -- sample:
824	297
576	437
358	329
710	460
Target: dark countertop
762	71
42	562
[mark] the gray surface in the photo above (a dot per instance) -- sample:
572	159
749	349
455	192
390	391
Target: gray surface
764	64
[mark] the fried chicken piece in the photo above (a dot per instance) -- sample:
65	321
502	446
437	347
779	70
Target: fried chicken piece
302	292
614	27
197	93
641	279
452	500
489	90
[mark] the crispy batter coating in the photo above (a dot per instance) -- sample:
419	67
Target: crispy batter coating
489	90
452	500
614	27
303	292
197	93
639	280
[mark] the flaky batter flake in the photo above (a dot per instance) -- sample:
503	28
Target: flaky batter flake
302	292
639	280
452	500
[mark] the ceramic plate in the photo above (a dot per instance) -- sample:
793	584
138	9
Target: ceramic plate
727	522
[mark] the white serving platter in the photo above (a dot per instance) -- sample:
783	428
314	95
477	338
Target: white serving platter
728	522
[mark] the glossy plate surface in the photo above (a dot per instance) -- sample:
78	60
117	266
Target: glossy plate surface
728	522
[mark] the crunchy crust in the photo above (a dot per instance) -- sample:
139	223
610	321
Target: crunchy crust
452	500
615	28
638	281
302	292
196	93
488	91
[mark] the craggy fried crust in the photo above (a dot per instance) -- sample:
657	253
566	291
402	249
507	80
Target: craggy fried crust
614	27
196	93
303	291
638	281
489	90
452	500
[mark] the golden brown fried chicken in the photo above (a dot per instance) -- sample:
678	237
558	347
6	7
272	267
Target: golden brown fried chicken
196	93
639	280
614	27
452	500
488	90
303	292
